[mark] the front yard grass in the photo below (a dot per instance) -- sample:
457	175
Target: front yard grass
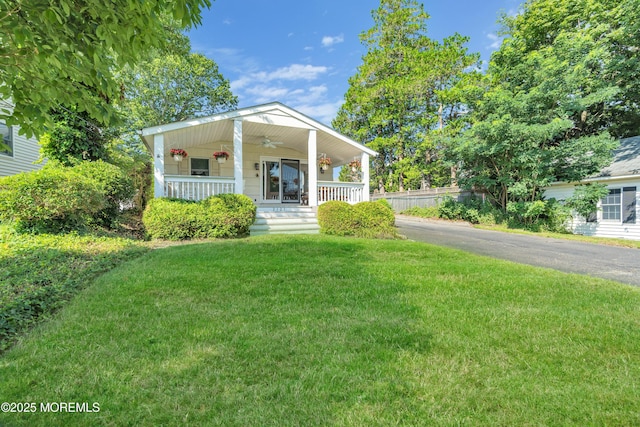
39	273
317	330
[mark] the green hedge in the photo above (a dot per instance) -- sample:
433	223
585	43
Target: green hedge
223	215
365	219
116	187
59	198
53	199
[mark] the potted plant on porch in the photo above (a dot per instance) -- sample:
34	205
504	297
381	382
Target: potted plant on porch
178	154
355	165
221	156
324	163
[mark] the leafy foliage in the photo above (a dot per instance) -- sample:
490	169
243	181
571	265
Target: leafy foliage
540	215
175	87
470	209
114	185
66	53
223	215
52	199
337	218
553	105
74	137
585	198
407	86
59	198
365	219
596	44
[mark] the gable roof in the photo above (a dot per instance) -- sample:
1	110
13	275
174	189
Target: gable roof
274	120
626	160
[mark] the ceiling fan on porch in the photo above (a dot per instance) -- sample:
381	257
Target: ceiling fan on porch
266	142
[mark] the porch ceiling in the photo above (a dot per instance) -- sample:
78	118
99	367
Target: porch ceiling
278	123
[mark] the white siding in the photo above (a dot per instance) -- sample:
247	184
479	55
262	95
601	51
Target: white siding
251	155
25	153
602	228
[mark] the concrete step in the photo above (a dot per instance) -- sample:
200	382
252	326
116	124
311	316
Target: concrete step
280	208
285	214
287	220
265	232
281	220
284	227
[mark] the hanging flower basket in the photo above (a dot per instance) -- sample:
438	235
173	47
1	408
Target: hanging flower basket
178	154
221	156
355	165
324	163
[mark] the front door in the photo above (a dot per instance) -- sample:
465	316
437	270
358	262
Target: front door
281	181
290	181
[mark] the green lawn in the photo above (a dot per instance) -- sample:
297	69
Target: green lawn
314	330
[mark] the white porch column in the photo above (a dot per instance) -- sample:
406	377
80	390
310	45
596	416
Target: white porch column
237	156
313	168
158	165
364	163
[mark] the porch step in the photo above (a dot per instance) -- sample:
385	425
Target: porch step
285	220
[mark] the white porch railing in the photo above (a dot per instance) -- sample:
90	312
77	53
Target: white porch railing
350	192
196	187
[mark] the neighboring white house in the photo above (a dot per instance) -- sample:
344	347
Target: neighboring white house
274	152
618	213
23	152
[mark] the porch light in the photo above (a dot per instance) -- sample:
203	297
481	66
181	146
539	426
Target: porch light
256	166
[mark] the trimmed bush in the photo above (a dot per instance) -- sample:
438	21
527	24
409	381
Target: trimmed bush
376	216
337	218
365	219
223	215
53	199
114	184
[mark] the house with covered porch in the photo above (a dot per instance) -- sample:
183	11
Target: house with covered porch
273	154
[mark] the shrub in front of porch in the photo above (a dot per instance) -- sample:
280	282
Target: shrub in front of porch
365	219
220	216
337	218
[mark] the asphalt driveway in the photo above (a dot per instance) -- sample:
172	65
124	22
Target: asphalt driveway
609	262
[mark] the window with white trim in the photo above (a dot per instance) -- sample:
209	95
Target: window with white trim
611	205
200	167
620	205
7	139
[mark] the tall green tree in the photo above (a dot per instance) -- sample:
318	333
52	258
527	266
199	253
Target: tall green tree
75	137
176	87
170	84
393	100
65	52
558	94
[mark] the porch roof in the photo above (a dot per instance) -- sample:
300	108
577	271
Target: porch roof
274	121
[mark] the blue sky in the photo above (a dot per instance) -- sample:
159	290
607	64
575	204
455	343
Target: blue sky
302	53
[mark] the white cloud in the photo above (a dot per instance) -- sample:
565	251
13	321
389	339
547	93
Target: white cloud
323	112
328	41
312	95
297	72
496	41
291	73
262	94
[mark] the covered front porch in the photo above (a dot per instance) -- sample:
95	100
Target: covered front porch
271	153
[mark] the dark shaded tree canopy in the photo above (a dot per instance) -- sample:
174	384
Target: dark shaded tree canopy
65	52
